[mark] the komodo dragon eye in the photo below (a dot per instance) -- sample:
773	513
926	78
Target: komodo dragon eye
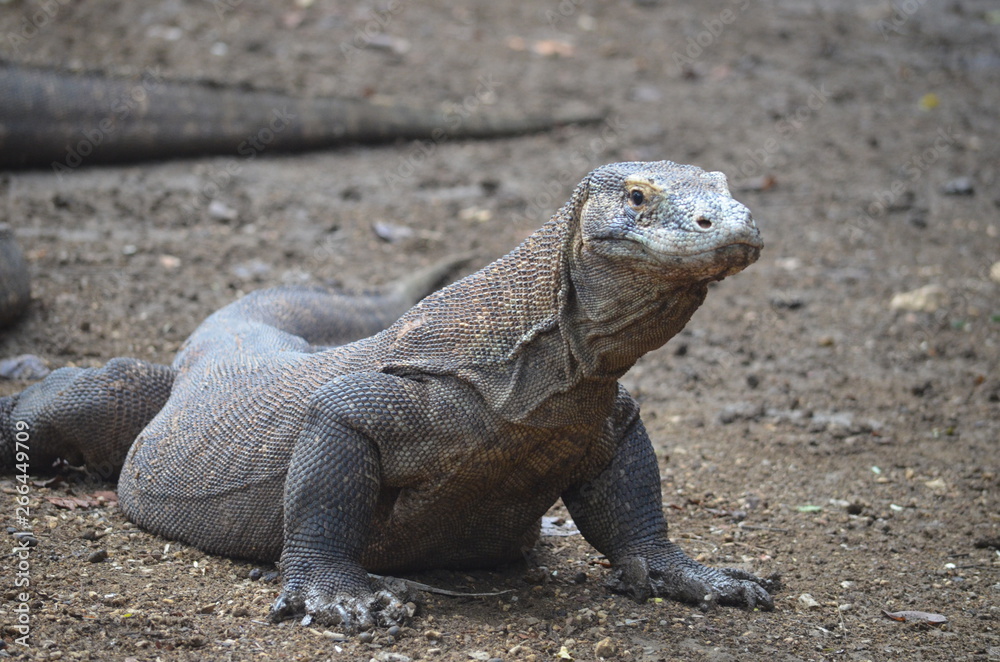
636	197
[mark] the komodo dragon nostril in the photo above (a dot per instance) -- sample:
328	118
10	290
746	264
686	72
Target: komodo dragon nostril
703	223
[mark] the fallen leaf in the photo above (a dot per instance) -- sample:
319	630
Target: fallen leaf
929	101
109	496
99	498
758	184
918	616
551	47
923	299
938	485
71	503
517	43
169	261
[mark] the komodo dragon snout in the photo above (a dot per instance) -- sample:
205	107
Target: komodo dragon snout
681	220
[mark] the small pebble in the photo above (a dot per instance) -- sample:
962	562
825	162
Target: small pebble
366	637
391	233
98	556
923	299
605	648
25	539
386	656
960	186
221	211
808	601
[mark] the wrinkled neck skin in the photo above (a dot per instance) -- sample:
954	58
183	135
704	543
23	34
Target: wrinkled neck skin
606	314
615	312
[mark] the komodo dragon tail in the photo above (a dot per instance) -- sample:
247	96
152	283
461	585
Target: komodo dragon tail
51	118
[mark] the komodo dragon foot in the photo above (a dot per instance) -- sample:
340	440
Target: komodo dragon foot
669	573
353	604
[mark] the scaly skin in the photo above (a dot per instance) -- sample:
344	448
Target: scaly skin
440	441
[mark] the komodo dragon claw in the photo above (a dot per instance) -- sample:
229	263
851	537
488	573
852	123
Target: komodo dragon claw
352	613
670	575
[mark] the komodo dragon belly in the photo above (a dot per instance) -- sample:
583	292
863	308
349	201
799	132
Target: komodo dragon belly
210	471
481	506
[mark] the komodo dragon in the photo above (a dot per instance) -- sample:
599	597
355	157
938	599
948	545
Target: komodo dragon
62	120
438	442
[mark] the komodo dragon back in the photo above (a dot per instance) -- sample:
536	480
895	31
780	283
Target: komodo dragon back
52	118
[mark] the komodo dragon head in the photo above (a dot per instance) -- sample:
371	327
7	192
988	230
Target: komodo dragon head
645	239
676	222
616	273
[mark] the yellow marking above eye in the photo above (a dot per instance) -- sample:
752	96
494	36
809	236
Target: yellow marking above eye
639	192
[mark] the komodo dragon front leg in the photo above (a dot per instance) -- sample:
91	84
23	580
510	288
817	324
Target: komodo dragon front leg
620	513
328	513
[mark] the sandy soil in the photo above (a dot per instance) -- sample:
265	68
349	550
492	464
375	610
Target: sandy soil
810	421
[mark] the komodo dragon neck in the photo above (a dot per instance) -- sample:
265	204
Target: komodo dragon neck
545	328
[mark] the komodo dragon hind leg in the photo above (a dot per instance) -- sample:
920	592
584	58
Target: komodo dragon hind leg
83	415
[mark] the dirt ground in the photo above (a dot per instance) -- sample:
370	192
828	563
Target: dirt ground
816	419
